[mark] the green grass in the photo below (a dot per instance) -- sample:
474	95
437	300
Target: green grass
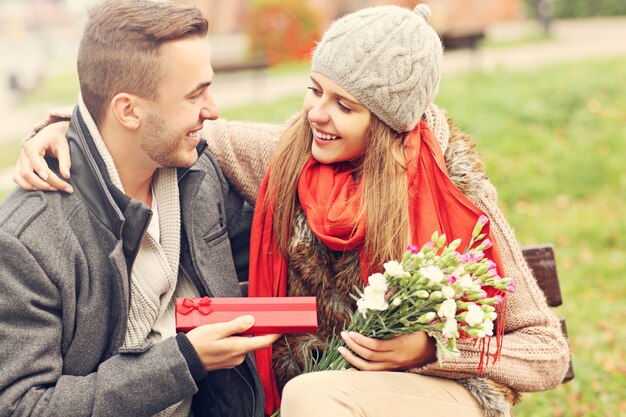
530	39
553	142
58	90
9	151
288	68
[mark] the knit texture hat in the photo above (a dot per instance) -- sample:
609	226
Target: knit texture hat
388	58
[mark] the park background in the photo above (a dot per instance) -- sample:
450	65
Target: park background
543	94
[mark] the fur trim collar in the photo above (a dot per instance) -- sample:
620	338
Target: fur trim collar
465	168
495	399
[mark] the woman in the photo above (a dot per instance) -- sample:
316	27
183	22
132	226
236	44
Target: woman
358	175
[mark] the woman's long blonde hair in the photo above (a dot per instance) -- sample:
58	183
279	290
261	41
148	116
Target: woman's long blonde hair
385	193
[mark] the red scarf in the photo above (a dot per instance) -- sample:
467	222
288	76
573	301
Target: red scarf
331	199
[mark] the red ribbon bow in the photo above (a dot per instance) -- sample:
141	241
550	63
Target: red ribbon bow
203	305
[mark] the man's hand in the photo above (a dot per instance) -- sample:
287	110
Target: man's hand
219	348
31	171
396	354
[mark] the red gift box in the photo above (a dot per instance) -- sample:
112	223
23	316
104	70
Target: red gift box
271	314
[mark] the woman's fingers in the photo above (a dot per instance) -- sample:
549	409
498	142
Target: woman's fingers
25	177
20	180
28	179
362	364
56	183
61	151
32	172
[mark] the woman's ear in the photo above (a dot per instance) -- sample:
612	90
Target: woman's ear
124	110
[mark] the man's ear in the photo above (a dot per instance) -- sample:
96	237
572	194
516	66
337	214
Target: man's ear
124	110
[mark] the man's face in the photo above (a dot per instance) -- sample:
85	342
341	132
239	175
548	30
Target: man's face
171	126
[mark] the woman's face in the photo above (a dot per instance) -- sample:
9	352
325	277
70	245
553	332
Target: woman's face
338	121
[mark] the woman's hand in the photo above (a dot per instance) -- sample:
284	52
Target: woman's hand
32	172
396	354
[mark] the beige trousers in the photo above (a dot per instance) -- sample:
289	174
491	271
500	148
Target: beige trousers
375	394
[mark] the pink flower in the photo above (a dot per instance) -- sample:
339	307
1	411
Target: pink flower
499	299
511	287
452	279
413	249
491	264
482	221
472	257
468	258
428	245
486	244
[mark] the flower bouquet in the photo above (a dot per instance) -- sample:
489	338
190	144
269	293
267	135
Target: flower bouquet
435	289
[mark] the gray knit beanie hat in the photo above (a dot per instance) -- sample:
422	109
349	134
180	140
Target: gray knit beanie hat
388	58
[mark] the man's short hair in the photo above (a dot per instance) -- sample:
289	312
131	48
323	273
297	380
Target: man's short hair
119	49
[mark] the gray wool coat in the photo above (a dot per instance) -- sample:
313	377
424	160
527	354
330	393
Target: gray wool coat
64	296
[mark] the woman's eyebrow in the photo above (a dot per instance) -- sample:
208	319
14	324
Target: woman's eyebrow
314	82
339	96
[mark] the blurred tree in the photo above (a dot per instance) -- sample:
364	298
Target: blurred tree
283	30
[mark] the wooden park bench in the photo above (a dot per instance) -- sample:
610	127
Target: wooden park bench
462	40
249	65
541	260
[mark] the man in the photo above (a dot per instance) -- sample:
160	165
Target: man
88	279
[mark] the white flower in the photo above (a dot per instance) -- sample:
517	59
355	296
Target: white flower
479	333
448	292
396	302
377	303
372	299
465	281
371	303
450	329
369	293
377	282
361	305
447	309
394	268
427	317
432	272
488	327
475	314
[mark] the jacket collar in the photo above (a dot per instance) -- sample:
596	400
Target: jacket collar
90	179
